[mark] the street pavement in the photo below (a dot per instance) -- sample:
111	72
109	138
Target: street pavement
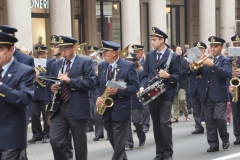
185	145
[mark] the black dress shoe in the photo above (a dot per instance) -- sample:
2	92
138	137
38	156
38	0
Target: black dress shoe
236	142
128	148
45	140
89	129
213	149
158	158
197	132
141	144
98	137
33	140
225	145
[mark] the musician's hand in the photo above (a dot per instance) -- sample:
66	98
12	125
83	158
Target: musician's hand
54	87
230	89
37	74
140	90
99	101
203	56
163	74
112	91
237	72
64	77
208	62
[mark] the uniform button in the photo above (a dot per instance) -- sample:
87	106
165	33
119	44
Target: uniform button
206	88
207	81
195	82
157	70
37	86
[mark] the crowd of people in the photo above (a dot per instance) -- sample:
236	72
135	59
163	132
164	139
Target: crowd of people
74	96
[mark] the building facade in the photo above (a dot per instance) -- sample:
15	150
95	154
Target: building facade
123	21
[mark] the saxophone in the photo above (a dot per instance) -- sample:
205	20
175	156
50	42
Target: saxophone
235	81
107	100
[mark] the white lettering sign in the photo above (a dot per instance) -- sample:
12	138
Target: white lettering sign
40	4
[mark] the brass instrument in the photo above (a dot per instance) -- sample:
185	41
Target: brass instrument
41	82
81	49
199	64
107	100
235	81
124	52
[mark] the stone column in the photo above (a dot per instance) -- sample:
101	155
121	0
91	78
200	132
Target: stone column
130	22
207	25
60	17
227	19
157	14
19	16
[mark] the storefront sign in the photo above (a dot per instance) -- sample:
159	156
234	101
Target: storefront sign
40	4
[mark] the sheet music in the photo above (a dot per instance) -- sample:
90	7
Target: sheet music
194	54
40	62
233	51
116	84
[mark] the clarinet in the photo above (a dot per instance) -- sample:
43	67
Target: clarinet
58	83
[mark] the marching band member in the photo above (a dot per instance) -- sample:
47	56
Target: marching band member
195	90
214	93
116	119
92	49
160	108
236	106
137	111
72	109
14	99
38	104
139	51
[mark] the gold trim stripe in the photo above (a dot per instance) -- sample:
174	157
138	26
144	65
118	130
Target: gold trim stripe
65	44
6	43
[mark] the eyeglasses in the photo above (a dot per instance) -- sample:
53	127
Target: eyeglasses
65	49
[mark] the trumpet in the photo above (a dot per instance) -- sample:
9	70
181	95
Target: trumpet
199	64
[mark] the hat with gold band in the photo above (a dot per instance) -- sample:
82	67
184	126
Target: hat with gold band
40	49
137	47
157	32
110	46
54	39
66	41
200	45
92	48
236	38
6	39
7	29
216	40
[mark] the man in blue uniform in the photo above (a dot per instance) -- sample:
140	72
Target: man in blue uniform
195	92
116	118
38	104
214	93
160	108
139	51
72	105
16	93
236	106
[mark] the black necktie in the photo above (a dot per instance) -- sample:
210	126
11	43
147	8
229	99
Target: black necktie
1	70
65	85
214	59
158	57
109	72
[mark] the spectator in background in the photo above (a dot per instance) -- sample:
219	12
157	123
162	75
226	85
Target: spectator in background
186	48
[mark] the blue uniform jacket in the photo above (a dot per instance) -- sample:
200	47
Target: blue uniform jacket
135	102
195	83
215	79
121	109
151	69
23	58
16	92
82	79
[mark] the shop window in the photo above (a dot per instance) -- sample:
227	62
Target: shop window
108	16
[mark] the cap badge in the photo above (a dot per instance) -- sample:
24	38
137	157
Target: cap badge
212	39
0	30
39	48
91	48
153	30
237	38
198	44
135	47
53	39
60	40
